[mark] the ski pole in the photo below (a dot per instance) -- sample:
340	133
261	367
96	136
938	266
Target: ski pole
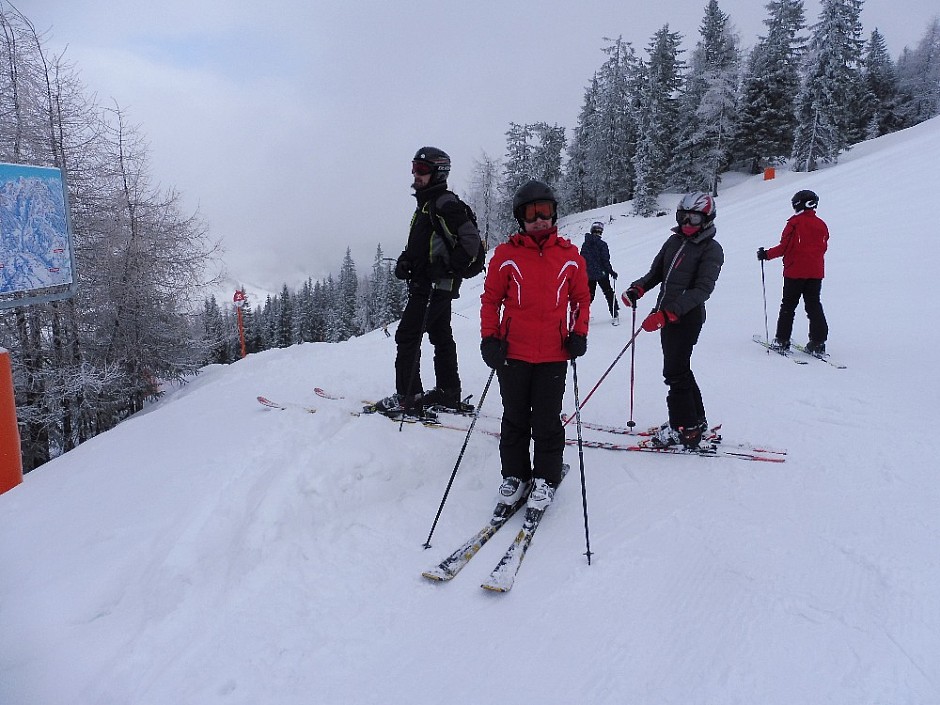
606	372
615	309
577	413
763	286
417	361
631	423
476	415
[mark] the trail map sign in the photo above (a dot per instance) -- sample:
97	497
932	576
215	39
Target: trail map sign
36	258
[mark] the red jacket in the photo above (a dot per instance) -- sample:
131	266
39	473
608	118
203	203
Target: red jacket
803	246
533	286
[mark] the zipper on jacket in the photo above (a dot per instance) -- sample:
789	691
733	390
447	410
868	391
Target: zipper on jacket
672	265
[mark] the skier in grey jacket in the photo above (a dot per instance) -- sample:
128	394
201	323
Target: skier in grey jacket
686	268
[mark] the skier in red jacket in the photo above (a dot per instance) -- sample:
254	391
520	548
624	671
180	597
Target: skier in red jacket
803	248
535	284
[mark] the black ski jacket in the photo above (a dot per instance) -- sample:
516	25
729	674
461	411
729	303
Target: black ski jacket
687	268
434	263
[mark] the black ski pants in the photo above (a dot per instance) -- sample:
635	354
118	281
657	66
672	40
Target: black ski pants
684	399
810	290
426	313
612	304
532	395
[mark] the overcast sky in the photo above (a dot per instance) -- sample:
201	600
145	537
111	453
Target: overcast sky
290	125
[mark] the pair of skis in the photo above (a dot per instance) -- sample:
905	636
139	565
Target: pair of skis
503	576
713	446
284	405
798	359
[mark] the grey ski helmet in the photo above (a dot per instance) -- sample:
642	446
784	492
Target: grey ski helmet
697	202
597	227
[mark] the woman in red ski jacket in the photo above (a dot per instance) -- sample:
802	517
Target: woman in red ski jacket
803	246
533	319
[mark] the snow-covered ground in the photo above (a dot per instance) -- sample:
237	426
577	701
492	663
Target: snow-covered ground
211	550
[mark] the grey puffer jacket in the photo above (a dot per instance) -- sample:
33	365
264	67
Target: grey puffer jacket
687	268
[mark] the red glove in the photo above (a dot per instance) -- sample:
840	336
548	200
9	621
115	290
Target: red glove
630	296
658	319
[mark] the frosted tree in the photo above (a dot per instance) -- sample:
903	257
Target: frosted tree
659	81
348	299
770	83
517	169
830	86
919	79
483	197
615	130
580	185
880	80
214	331
532	152
83	364
545	162
284	319
708	105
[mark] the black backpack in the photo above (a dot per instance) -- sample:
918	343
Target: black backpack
478	264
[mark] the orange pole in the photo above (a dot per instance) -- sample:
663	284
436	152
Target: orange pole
11	459
241	331
239	300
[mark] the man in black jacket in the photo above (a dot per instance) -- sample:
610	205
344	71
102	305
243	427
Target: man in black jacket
687	268
442	243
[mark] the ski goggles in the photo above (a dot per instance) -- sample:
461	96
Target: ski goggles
540	209
690	217
421	168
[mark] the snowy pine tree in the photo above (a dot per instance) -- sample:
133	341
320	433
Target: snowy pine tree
830	87
708	106
658	114
771	82
483	197
580	185
616	129
919	79
880	79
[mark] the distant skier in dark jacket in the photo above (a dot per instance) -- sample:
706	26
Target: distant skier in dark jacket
597	255
686	268
803	246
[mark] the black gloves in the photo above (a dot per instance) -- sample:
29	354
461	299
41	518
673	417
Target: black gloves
403	269
613	274
493	351
576	345
761	254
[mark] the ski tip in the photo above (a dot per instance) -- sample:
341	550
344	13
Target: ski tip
496	588
436	575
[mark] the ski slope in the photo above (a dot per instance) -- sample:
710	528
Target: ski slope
214	551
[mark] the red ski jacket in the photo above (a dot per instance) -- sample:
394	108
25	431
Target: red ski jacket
534	287
803	246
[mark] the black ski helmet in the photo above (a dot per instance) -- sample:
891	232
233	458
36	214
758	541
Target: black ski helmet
439	161
804	199
597	227
532	192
